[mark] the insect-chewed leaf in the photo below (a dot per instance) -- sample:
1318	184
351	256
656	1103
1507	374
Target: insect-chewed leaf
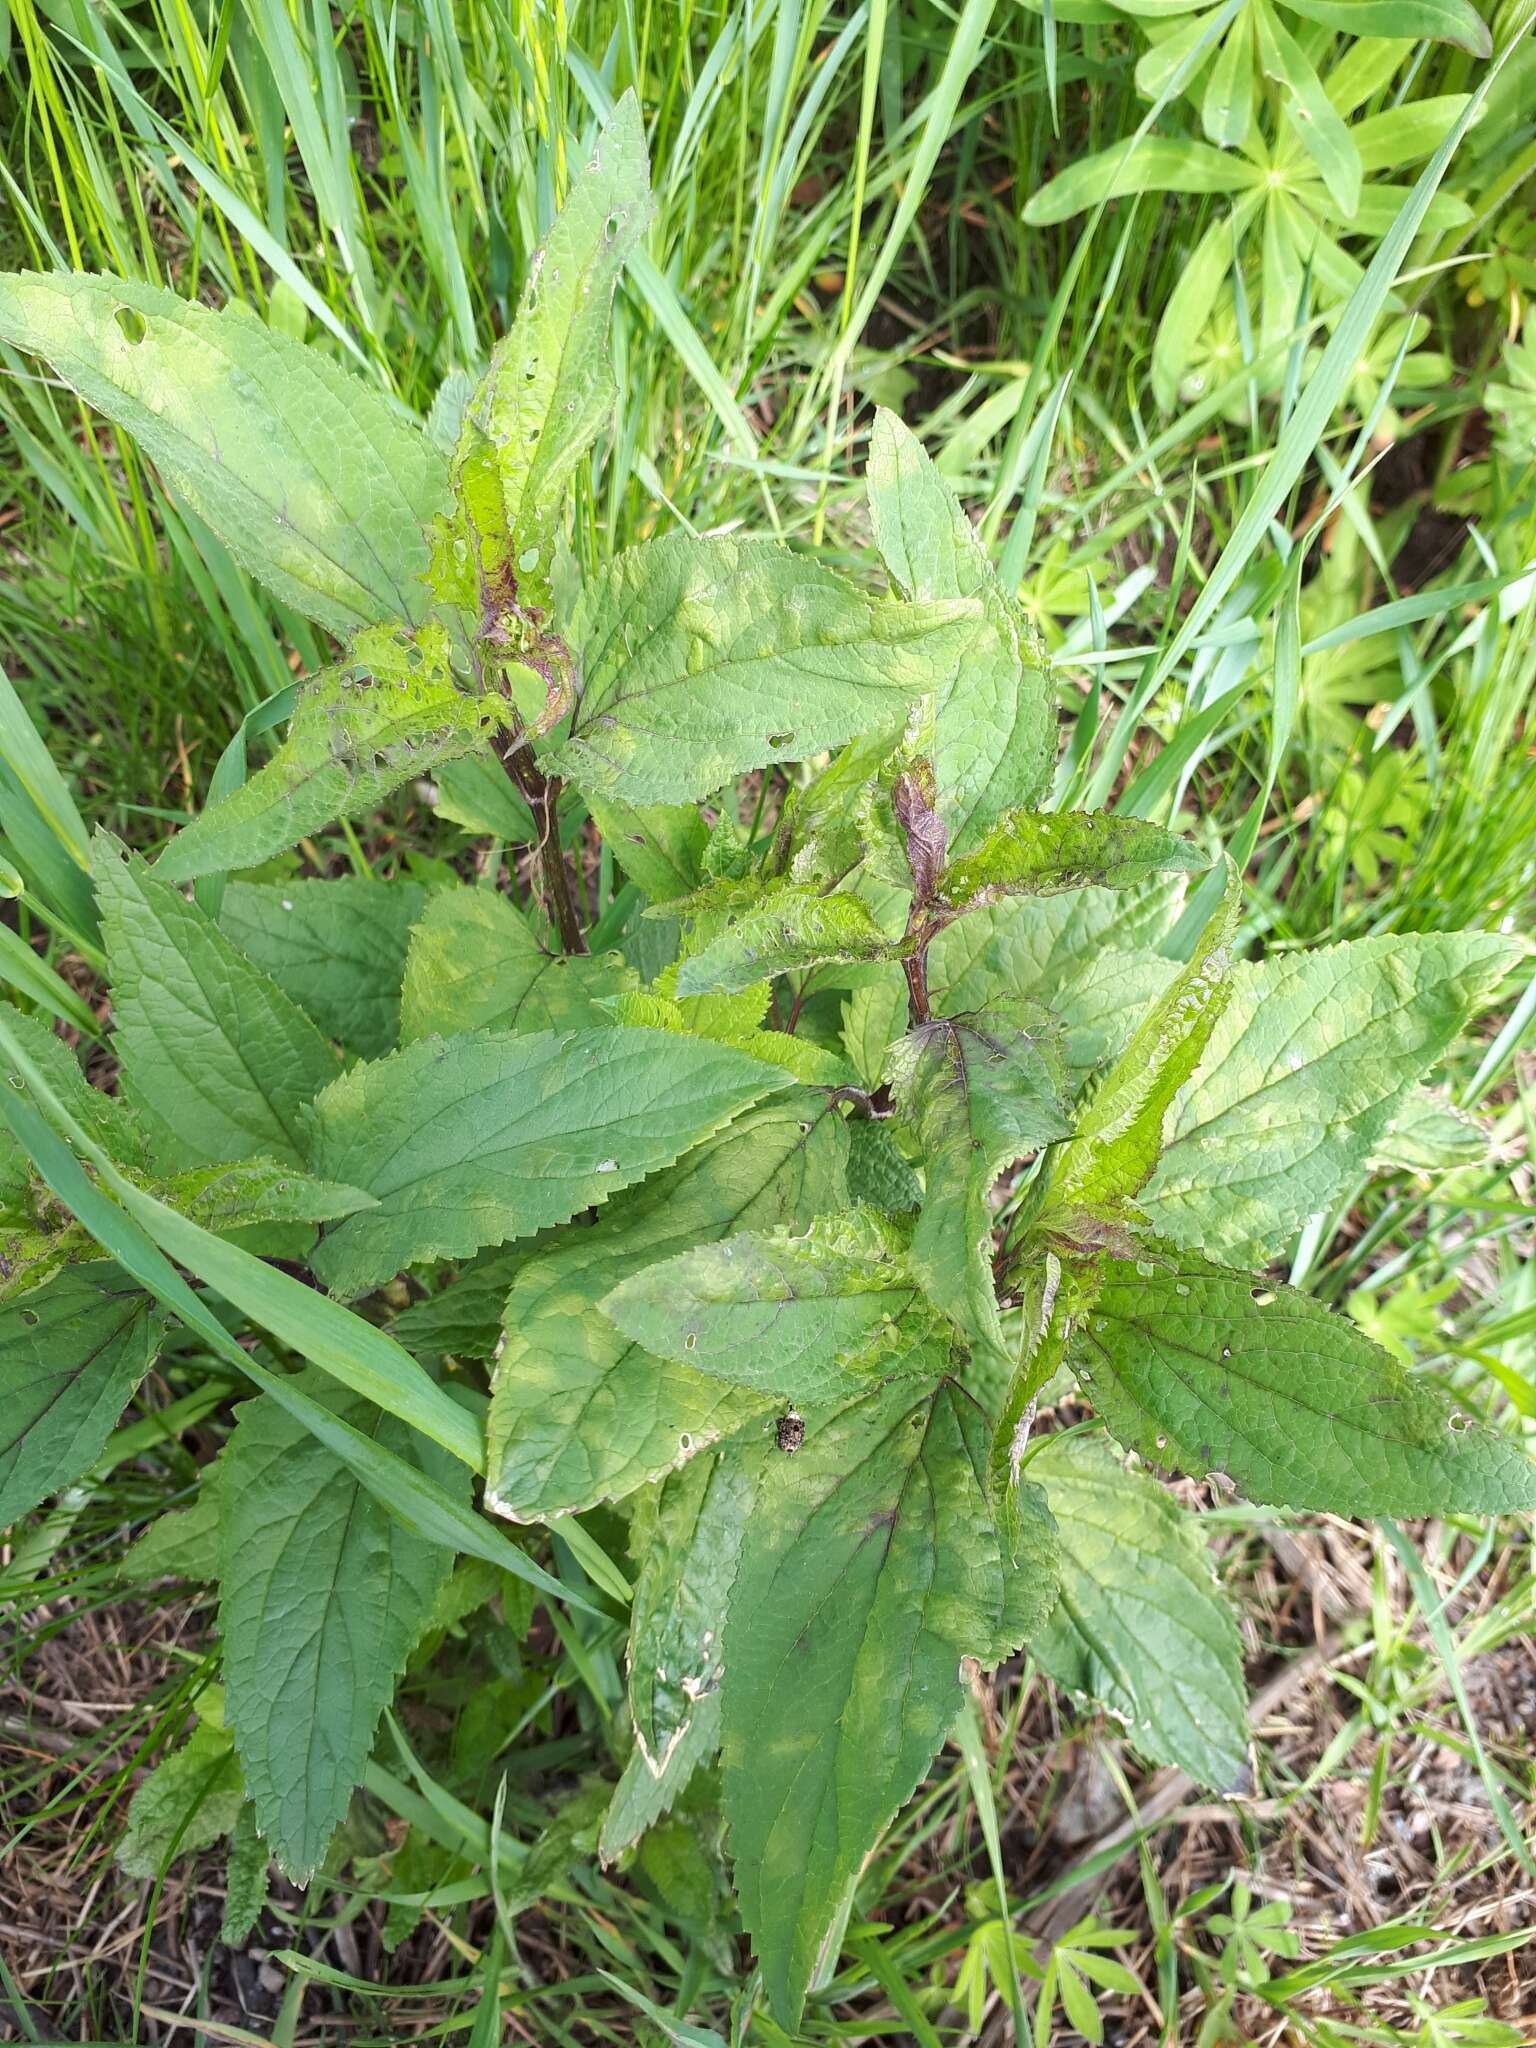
870	1567
788	926
474	964
994	720
978	1093
1203	1369
71	1353
677	1624
703	658
802	1317
659	846
550	386
336	947
472	1140
313	480
1141	1627
579	1413
322	1597
215	1057
391	711
1314	1057
1041	853
1121	1131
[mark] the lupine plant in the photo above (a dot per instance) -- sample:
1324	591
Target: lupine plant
879	1103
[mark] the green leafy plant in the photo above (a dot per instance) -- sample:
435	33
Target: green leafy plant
761	1207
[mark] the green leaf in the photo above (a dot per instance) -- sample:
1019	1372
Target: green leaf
677	1624
1313	119
336	947
474	964
642	1796
1149	163
978	1094
389	712
1205	1370
312	479
1120	1133
190	1800
1446	21
703	658
463	1319
580	1414
215	1057
870	1567
71	1353
184	1544
245	1880
472	1140
1315	1056
1403	134
1226	109
476	792
550	388
874	1017
795	1316
322	1598
994	723
1044	946
106	1117
786	927
1141	1628
1041	853
659	846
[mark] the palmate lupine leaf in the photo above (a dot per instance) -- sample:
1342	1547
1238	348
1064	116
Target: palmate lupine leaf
391	711
315	482
1140	1626
1206	1370
215	1058
703	658
322	1597
472	1140
1315	1055
579	1412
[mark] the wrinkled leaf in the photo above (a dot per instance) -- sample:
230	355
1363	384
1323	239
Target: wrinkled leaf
1203	1369
336	947
786	927
472	1140
475	964
1040	853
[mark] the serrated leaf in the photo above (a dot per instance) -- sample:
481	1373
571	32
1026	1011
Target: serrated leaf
1429	1134
659	846
1303	1075
315	482
799	1317
786	927
474	964
703	658
245	1880
677	1623
641	1797
550	387
71	1353
580	1414
463	1319
322	1597
993	723
472	1140
1120	1133
874	1017
1203	1369
392	710
1141	1628
191	1799
106	1118
870	1568
184	1543
978	1094
337	948
1041	853
215	1057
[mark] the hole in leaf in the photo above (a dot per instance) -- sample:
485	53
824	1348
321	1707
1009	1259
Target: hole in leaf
131	323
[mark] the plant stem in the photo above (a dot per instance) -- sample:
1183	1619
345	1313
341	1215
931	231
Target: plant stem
543	794
915	968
